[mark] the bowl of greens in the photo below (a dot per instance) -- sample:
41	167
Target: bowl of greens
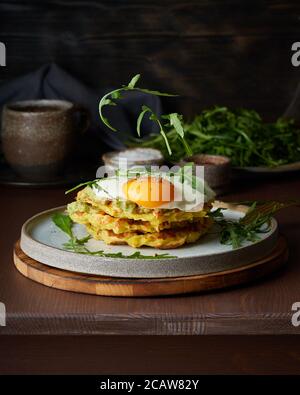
251	144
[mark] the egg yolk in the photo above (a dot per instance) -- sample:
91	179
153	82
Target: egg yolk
149	192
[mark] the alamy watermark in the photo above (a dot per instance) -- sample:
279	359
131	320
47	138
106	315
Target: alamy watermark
2	314
2	54
296	315
295	59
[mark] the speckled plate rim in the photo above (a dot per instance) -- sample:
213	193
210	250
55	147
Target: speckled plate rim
140	268
290	167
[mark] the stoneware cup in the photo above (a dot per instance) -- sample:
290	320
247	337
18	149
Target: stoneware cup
38	136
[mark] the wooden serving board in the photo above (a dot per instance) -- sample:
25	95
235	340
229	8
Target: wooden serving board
112	286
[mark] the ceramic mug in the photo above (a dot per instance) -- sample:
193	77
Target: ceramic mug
39	135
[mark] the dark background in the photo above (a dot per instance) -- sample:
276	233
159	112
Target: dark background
235	53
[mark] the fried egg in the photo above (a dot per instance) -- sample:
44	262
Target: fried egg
149	192
159	191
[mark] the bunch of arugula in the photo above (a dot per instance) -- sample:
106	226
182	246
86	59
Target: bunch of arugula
65	224
239	134
165	122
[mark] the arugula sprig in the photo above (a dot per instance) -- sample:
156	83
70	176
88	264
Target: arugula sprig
174	120
257	220
83	184
235	232
65	224
110	98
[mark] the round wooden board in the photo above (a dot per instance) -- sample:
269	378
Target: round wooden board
113	286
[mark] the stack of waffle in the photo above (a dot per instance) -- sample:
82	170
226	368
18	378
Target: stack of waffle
123	222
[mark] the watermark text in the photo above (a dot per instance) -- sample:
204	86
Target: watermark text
2	55
2	314
295	59
296	315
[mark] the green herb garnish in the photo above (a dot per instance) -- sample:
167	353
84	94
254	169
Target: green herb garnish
65	224
235	232
239	134
257	220
165	122
83	184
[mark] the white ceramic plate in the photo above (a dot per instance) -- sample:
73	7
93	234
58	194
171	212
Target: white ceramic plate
43	241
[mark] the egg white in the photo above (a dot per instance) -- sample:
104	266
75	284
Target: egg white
186	198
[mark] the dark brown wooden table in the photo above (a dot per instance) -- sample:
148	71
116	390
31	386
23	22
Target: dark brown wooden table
240	330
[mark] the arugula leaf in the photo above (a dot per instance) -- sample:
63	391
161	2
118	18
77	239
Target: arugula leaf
107	101
133	81
83	240
155	93
175	121
145	109
64	223
116	95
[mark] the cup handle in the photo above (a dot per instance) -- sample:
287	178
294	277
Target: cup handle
84	121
